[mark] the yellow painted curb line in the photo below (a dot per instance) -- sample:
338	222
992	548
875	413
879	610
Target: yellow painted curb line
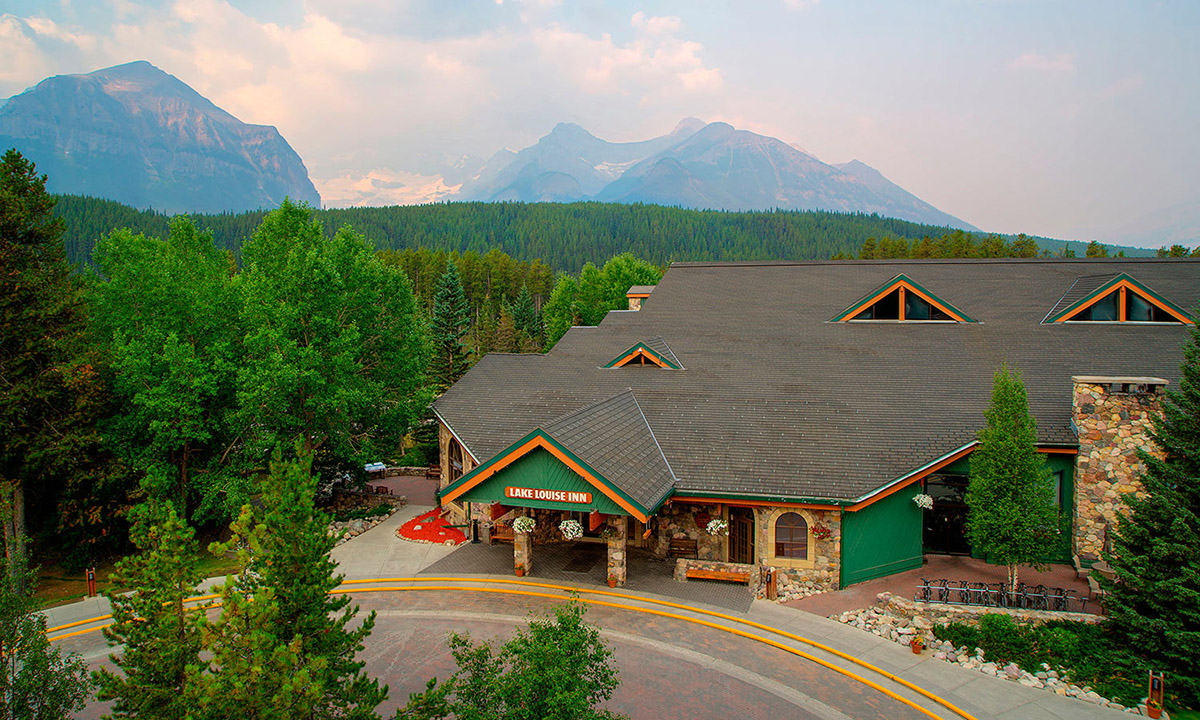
530	593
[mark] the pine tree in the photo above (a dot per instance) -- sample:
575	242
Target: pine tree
36	681
506	332
46	428
451	321
293	625
250	673
1011	514
1153	606
161	638
524	315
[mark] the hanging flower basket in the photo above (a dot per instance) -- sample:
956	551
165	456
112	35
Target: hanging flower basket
524	524
717	526
821	532
923	501
570	529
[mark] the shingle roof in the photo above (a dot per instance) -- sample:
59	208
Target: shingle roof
1081	288
613	437
777	401
640	290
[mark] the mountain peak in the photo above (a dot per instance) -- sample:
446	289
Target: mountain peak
570	130
688	125
136	134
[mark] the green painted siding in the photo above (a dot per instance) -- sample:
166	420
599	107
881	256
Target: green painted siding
1056	462
882	538
540	469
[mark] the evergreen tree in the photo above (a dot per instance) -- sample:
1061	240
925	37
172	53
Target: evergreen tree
1096	250
36	681
280	612
249	672
1153	607
524	314
506	332
160	638
45	377
451	321
1011	514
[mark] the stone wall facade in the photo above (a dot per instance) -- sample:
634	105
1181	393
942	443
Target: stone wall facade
679	521
618	550
1113	416
796	578
458	512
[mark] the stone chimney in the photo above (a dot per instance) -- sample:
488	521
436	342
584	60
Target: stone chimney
1113	416
637	294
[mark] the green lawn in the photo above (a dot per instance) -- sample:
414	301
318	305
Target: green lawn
56	587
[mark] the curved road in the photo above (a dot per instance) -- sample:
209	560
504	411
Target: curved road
675	661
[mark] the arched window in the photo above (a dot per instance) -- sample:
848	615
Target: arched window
791	536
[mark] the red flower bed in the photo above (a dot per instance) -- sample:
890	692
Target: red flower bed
429	528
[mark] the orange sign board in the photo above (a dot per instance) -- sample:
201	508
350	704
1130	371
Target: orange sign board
565	496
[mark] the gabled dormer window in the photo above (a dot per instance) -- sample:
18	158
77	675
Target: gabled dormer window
1116	298
653	352
901	299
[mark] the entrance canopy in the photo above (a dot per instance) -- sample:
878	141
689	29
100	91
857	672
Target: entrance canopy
602	457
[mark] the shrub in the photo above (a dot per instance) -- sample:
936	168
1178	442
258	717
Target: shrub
361	513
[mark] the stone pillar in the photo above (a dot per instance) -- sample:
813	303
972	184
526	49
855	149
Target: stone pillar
618	548
1113	416
523	552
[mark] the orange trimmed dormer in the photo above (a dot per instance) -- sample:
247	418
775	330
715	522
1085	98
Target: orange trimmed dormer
654	352
901	299
637	295
1119	298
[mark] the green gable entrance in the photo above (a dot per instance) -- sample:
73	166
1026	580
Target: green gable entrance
540	480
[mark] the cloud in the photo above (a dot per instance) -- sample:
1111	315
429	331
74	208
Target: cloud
1122	86
661	25
382	187
1061	62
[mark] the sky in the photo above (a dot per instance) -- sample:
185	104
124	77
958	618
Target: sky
1076	120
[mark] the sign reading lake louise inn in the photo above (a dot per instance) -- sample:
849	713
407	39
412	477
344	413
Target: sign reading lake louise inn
567	496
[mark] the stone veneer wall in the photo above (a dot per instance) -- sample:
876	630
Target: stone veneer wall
457	511
1112	426
679	521
792	578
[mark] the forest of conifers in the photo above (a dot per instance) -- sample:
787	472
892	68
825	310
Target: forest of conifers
564	237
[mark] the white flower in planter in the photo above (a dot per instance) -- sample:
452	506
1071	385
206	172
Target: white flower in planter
571	529
717	526
923	501
524	524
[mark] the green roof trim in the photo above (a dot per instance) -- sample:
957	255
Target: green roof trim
1108	287
657	356
864	301
539	432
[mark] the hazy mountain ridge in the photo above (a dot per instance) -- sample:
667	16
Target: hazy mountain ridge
135	134
697	165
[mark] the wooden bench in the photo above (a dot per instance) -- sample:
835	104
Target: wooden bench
433	472
683	547
501	533
739	576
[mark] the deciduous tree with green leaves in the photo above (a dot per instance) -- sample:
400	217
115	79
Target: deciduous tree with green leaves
1153	606
1011	515
159	637
36	681
451	321
166	311
335	350
557	669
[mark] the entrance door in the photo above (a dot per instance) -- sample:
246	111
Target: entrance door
741	535
946	523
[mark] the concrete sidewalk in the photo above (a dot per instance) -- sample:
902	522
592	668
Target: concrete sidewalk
379	553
